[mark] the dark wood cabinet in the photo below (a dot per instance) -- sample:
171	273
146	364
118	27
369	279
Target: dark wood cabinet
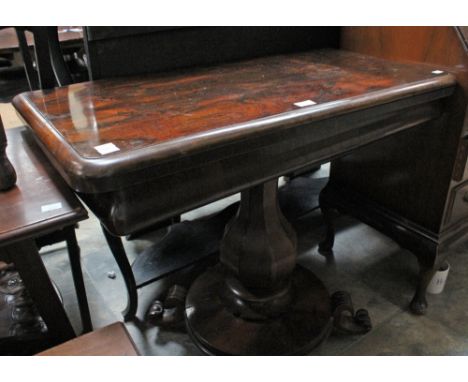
411	186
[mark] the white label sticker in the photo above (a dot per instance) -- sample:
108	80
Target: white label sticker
437	71
51	207
106	148
307	102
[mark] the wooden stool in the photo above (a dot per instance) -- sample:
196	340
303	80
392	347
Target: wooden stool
110	340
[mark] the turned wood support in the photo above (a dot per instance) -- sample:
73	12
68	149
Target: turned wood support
257	301
259	244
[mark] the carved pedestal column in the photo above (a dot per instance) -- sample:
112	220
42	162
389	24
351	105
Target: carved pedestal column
257	301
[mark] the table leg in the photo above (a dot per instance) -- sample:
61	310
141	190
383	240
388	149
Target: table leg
118	250
77	274
257	301
29	265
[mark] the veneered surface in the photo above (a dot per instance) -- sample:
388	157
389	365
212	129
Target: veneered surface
141	112
160	119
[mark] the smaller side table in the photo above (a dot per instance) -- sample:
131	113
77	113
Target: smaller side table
40	206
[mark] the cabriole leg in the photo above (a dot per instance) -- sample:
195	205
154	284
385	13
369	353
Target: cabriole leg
118	250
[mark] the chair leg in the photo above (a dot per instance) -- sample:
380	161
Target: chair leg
77	274
31	75
118	251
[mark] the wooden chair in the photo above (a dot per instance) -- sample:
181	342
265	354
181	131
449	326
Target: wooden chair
51	69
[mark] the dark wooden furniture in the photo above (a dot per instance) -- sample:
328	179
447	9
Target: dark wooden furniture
40	205
112	51
138	150
412	186
42	51
48	68
112	340
7	171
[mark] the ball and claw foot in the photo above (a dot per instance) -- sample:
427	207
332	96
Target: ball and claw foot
170	313
344	318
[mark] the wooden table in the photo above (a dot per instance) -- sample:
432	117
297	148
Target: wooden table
112	340
40	204
139	150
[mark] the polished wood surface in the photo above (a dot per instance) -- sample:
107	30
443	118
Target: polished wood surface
9	40
112	340
207	141
40	202
142	112
162	118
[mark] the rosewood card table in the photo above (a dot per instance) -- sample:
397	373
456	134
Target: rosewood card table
140	150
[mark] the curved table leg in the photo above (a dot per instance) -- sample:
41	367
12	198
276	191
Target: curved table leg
257	301
419	304
77	274
118	250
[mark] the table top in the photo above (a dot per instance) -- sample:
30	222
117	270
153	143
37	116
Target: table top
108	128
41	202
112	340
9	41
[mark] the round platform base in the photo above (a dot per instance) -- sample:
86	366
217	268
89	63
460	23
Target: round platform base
217	331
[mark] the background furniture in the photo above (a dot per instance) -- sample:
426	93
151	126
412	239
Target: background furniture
111	51
7	171
48	68
413	186
50	55
38	208
112	340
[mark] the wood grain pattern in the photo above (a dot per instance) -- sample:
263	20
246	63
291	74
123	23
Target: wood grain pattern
161	118
112	340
